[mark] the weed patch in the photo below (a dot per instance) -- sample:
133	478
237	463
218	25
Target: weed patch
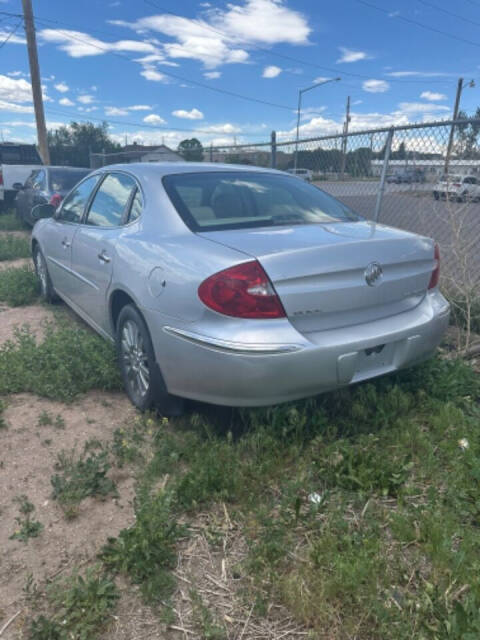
18	286
146	551
80	477
69	361
12	247
79	607
27	526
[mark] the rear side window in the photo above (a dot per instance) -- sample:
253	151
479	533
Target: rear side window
110	202
75	203
137	205
64	180
211	201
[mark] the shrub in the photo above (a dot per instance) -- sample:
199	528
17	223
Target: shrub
18	286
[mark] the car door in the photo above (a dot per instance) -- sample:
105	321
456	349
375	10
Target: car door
94	245
57	235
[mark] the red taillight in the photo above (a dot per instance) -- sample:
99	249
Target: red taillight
243	291
457	184
436	270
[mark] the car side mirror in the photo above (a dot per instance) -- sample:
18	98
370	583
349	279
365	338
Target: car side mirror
18	186
43	211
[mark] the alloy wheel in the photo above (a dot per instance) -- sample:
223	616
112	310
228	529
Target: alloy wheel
135	358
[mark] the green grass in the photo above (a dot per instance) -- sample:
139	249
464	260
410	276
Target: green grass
389	547
69	361
12	247
19	286
80	476
10	222
77	607
27	527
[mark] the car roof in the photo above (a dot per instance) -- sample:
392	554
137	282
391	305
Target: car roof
160	169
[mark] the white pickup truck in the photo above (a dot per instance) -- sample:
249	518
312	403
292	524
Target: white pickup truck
17	161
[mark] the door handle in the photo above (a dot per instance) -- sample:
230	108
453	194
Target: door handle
65	243
103	257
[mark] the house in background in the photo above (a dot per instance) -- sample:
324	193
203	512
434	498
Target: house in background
136	153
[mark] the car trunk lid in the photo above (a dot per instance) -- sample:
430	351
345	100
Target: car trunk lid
320	271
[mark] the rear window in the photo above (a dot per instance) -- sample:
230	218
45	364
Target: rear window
65	180
239	200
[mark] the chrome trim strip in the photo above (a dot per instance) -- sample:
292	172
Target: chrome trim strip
75	274
232	347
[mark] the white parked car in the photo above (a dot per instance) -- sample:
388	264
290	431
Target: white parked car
304	174
456	187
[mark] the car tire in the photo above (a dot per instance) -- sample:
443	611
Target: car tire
47	291
436	195
142	378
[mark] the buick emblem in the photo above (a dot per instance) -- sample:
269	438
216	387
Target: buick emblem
373	274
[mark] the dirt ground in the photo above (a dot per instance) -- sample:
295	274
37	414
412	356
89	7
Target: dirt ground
27	458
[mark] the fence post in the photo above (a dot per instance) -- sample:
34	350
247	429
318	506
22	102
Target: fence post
273	153
211	153
381	187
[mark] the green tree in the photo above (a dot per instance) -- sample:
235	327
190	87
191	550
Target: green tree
467	136
71	145
191	150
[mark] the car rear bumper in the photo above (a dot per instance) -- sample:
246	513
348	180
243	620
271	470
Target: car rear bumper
250	373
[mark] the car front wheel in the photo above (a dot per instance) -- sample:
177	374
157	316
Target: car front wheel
436	195
46	288
141	375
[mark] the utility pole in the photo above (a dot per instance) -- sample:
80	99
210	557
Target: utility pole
35	80
344	139
452	129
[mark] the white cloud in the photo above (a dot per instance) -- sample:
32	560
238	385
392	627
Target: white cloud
78	44
418	74
271	71
193	114
421	107
62	87
235	29
155	76
14	107
154	119
16	74
12	39
85	99
222	128
66	102
320	79
115	111
15	90
431	95
212	75
375	86
349	55
140	107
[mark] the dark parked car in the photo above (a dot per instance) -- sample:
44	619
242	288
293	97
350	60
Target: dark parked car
45	185
407	177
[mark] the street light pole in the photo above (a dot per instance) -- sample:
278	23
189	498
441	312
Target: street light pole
300	93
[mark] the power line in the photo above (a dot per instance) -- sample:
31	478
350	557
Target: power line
276	54
449	13
178	77
263	49
12	32
143	125
419	24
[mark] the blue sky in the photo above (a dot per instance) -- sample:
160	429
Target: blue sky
112	60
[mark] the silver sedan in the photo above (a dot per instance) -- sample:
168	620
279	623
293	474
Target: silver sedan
235	285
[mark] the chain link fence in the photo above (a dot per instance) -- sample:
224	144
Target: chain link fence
422	178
